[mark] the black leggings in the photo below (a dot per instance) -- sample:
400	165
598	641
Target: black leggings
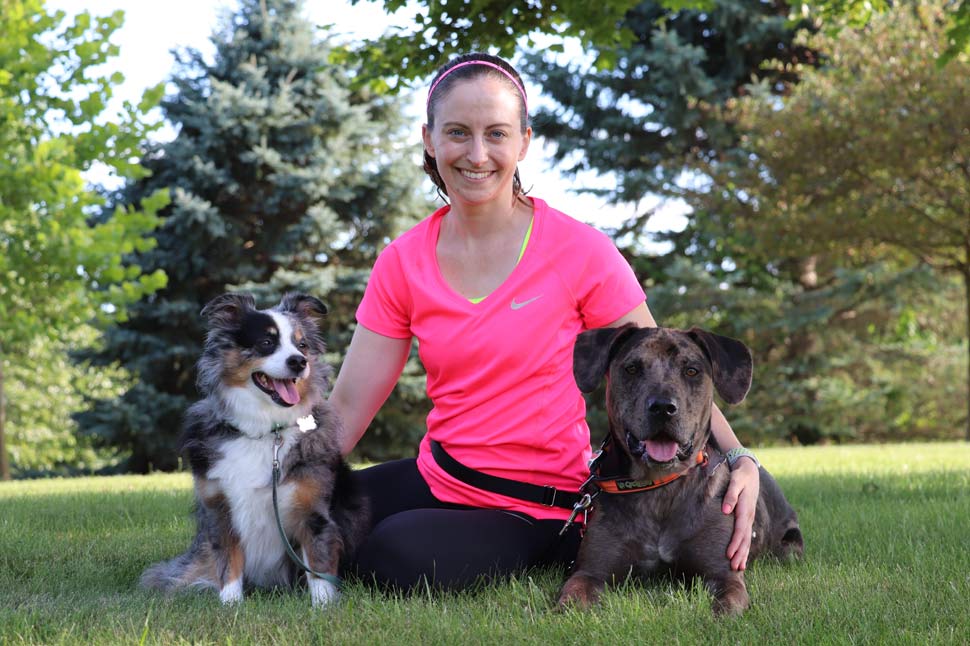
416	538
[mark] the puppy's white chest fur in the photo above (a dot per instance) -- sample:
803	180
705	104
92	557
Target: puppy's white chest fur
245	476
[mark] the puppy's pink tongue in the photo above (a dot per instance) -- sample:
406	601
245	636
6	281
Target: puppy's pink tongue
661	451
287	391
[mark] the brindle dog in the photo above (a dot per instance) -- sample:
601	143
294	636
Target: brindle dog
660	388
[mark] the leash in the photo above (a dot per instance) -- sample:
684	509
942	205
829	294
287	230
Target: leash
277	443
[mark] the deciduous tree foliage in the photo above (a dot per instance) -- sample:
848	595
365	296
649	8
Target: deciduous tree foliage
868	158
865	353
443	28
44	387
58	272
282	178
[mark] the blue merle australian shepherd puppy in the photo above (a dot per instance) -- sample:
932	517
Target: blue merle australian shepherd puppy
263	383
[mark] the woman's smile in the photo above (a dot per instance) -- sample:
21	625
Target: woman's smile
476	175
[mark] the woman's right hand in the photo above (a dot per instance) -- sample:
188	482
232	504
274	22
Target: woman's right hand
370	370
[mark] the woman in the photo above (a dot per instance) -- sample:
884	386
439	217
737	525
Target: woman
495	286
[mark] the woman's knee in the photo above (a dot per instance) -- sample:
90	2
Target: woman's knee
393	557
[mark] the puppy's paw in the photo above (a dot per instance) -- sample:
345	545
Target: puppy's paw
580	591
232	592
322	593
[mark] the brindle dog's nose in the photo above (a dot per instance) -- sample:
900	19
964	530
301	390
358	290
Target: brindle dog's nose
661	407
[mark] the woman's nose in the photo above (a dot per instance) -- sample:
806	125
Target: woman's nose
477	153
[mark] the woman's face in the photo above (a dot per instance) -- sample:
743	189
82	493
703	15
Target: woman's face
476	140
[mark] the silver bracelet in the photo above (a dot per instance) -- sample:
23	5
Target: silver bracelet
736	454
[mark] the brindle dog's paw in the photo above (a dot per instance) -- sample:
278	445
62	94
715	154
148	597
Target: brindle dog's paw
580	591
731	600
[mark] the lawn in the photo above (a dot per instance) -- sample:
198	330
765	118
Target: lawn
886	530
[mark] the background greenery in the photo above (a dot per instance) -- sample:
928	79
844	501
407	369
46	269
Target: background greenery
821	152
886	562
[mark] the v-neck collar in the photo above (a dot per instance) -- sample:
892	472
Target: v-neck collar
434	231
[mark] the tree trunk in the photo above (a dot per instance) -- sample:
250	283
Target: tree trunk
4	463
966	305
801	343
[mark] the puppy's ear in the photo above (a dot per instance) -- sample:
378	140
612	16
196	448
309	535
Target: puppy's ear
304	305
227	309
593	351
732	363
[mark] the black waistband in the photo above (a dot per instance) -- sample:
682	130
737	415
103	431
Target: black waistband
541	494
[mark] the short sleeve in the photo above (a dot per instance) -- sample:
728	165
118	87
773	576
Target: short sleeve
386	305
608	288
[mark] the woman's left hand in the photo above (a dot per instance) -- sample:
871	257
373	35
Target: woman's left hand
742	499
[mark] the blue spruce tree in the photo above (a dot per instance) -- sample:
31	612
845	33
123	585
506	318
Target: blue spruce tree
283	176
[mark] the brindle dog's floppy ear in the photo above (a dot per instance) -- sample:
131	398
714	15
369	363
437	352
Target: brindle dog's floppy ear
304	305
227	309
732	362
592	352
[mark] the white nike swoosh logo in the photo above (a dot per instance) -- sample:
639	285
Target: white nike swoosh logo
518	306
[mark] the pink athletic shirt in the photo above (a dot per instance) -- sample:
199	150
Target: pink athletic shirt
499	372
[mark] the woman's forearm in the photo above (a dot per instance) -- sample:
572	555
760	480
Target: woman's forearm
721	430
369	372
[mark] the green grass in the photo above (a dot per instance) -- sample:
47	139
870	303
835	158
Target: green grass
887	531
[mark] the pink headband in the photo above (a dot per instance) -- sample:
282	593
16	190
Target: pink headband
488	64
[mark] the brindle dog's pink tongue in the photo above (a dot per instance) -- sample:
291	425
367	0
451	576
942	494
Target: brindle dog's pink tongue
661	451
287	391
